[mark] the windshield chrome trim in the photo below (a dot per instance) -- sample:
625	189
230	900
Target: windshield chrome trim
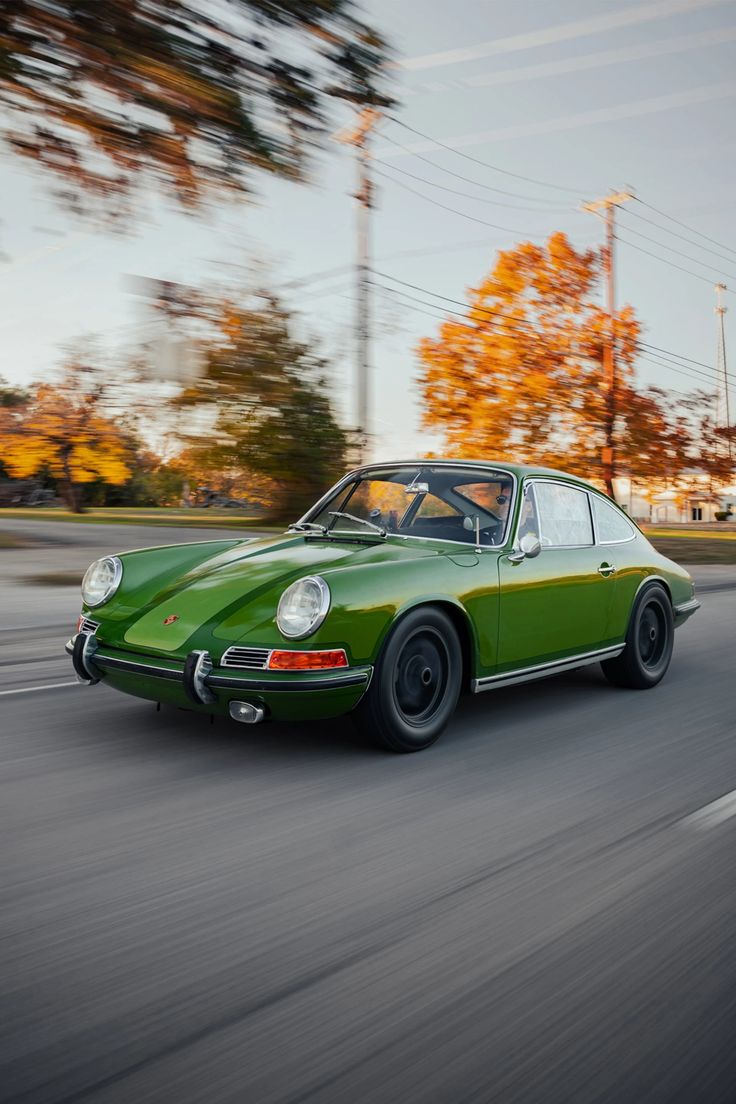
465	465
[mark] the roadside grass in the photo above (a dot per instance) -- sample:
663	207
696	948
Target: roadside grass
684	533
698	548
195	518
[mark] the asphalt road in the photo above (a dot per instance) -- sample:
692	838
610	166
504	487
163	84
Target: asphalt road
534	910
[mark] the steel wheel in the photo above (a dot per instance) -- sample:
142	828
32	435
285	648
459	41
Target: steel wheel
649	641
416	683
422	671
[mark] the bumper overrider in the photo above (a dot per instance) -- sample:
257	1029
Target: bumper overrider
203	684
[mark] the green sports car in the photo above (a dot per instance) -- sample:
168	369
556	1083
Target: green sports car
406	584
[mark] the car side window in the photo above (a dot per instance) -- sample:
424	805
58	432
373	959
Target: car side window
563	514
528	521
431	507
611	525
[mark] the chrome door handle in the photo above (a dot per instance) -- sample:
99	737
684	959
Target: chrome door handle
606	569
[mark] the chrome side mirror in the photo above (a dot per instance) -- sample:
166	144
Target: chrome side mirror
529	547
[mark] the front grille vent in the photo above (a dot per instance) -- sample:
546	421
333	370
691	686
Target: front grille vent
87	625
247	659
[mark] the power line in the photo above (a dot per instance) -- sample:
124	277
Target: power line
485	164
679	253
705	248
648	253
685	226
315	277
429	314
428	251
405	299
452	210
693	373
706	384
468	179
435	294
478	199
680	356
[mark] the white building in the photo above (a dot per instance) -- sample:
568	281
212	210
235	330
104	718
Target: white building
690	499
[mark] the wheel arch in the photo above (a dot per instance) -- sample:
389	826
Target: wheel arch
647	582
461	622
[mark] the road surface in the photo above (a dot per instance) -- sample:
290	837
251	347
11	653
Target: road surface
538	909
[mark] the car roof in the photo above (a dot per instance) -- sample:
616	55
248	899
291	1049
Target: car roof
519	470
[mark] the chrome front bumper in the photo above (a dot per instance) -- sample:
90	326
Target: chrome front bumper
197	674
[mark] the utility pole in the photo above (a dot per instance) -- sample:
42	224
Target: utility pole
358	136
722	367
605	208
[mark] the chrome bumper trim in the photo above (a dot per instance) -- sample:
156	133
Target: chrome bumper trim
685	610
224	678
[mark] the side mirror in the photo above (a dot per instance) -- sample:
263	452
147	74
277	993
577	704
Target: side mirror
529	547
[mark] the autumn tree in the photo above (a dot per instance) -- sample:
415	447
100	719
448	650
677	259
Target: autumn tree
200	96
656	435
64	429
272	416
520	377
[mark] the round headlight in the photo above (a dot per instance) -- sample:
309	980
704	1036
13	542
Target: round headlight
101	580
303	607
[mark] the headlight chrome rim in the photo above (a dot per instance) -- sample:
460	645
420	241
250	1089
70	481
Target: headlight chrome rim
116	568
321	611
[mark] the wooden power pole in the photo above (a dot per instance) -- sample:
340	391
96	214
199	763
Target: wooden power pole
722	367
606	208
358	136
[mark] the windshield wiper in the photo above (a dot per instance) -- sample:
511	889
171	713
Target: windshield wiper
361	521
308	526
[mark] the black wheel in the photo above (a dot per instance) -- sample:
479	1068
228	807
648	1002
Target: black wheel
646	657
415	685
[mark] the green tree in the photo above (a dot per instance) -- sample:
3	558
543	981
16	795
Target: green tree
272	414
200	96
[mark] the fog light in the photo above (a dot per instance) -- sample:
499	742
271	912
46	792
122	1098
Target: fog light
307	661
246	713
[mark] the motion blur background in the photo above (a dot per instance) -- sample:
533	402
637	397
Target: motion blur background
245	244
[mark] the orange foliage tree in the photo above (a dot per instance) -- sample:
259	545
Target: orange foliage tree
521	377
62	428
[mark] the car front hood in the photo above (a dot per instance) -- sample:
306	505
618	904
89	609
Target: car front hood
217	588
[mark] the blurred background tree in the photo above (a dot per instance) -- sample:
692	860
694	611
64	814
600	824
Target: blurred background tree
63	429
200	97
269	395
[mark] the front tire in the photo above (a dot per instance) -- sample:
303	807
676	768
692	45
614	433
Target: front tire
646	657
415	685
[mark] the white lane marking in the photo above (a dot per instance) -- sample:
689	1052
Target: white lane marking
715	813
33	689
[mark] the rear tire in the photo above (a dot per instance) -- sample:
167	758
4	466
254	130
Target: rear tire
415	684
646	657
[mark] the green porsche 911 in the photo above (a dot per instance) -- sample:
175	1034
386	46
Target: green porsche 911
406	584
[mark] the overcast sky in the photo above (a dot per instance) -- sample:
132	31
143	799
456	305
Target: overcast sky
580	97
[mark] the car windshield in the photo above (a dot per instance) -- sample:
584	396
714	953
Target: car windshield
441	503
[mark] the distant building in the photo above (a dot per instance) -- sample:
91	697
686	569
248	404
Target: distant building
691	498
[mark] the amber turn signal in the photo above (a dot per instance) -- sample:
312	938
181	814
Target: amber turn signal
307	661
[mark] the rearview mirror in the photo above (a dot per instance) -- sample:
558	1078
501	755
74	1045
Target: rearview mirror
529	547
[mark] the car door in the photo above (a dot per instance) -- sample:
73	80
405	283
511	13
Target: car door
558	603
